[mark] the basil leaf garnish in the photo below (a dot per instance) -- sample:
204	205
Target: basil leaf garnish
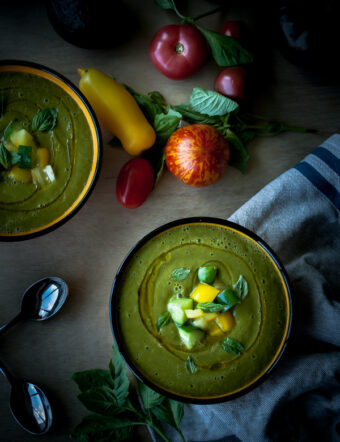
5	157
9	129
163	320
241	287
232	346
3	104
226	50
180	274
210	307
211	103
45	120
190	365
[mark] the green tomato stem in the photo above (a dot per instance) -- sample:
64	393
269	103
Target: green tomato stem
205	14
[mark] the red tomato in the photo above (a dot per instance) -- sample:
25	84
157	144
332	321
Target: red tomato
134	183
231	28
231	82
178	51
197	154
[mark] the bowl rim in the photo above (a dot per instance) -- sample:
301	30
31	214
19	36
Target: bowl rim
117	335
21	236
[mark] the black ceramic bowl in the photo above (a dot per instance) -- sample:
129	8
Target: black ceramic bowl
39	88
140	294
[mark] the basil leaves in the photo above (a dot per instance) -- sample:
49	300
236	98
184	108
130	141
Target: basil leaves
190	365
22	158
106	394
163	320
210	307
45	120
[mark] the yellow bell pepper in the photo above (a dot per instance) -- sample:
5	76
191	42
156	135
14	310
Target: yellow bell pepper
117	110
204	293
23	175
225	321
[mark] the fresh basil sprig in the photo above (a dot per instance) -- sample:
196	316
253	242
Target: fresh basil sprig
211	103
45	120
107	395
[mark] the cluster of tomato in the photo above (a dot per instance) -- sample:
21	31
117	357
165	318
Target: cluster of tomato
178	51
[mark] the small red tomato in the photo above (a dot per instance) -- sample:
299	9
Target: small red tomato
197	154
134	183
178	51
231	82
231	28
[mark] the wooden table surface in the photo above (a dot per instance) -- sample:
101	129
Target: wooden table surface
89	248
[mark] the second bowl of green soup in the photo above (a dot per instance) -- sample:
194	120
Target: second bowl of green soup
201	310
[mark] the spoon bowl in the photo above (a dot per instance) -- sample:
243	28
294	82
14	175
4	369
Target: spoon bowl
30	408
41	300
44	298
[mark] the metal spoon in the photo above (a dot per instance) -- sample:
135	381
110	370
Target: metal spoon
41	300
28	404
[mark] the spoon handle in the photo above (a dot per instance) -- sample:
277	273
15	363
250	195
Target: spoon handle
7	373
10	323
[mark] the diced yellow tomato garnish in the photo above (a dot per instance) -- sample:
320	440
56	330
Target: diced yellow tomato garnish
204	293
43	156
195	313
225	321
210	316
213	329
23	175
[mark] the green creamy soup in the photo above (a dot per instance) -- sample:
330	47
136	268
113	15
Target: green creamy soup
261	319
26	206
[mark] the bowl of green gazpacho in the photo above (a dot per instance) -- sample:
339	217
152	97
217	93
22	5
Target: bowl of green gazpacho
201	310
50	149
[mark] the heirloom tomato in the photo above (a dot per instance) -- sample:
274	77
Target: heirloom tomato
197	154
134	183
178	51
231	82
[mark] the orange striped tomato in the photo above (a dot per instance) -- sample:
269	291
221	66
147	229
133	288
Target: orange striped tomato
197	154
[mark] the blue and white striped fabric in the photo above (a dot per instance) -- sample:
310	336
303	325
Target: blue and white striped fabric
298	216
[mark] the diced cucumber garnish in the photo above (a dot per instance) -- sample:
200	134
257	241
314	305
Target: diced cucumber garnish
177	307
207	274
43	175
190	336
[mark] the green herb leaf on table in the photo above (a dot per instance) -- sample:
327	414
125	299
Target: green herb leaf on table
5	157
192	116
163	320
166	4
227	51
210	307
45	120
239	154
190	365
151	104
149	397
241	287
211	103
119	376
180	274
3	104
170	412
166	124
232	346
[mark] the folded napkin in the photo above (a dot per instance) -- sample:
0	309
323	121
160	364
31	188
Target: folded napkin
298	216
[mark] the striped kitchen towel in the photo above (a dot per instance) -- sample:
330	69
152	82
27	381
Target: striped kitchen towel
298	216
